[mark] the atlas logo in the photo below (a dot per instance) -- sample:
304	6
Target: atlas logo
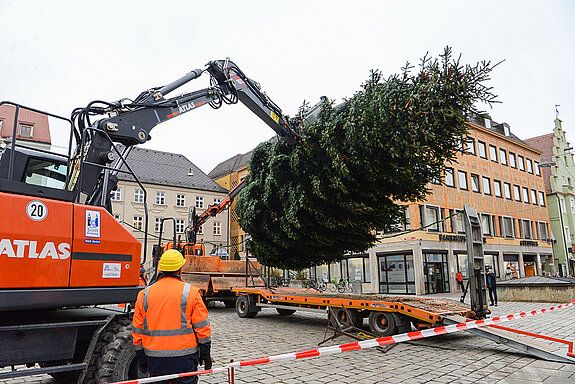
186	107
29	249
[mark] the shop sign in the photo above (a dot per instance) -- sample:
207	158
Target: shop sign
454	238
528	243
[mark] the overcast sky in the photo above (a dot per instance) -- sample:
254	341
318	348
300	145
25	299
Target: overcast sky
59	55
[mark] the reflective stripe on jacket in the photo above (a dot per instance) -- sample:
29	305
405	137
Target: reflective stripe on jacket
170	319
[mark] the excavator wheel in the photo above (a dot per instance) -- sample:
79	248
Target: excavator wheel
114	357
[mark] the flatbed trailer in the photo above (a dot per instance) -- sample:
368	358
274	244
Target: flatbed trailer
387	314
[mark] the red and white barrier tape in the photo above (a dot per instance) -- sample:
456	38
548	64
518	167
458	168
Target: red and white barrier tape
324	351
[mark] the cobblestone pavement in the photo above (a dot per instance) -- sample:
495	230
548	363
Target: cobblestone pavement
457	358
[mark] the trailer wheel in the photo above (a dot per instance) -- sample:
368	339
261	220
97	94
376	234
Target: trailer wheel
285	312
382	323
356	317
114	357
245	307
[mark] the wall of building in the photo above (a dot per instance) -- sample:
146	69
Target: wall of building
126	208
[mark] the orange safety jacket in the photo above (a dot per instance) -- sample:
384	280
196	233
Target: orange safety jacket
170	319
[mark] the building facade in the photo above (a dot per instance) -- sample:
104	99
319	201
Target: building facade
498	175
559	176
32	128
228	175
171	185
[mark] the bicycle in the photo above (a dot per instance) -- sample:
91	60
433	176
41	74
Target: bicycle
318	285
344	286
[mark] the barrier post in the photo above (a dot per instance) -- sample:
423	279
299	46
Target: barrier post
231	373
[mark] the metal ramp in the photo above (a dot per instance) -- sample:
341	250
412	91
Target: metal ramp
521	343
477	292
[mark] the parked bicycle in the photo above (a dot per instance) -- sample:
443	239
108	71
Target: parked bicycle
340	286
318	285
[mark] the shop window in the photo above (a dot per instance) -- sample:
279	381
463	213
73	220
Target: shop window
493	153
462	264
512	161
482	149
462	176
503	156
396	273
511	266
356	268
475	183
449	178
507	190
497	188
435	273
322	272
492	261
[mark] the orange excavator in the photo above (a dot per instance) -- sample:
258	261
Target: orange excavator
62	253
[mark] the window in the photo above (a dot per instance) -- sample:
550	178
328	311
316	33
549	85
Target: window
521	163
508	227
217	200
217	228
138	196
497	188
396	273
25	130
517	192
457	222
487	186
118	218
471	146
403	224
180	200
541	198
512	160
432	218
567	234
537	169
116	195
529	165
475	183
482	149
449	179
507	190
572	205
462	180
157	224
543	231
138	223
493	153
160	198
533	197
486	224
525	194
201	230
503	156
527	231
180	226
356	268
562	204
200	202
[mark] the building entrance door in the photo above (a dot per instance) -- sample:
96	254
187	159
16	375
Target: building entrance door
435	273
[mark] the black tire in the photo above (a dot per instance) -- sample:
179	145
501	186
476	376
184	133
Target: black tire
245	308
382	323
230	303
285	312
114	357
356	318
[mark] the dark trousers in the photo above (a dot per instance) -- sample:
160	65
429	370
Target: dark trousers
492	294
158	366
460	283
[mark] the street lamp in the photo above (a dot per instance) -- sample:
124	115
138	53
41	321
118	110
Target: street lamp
549	164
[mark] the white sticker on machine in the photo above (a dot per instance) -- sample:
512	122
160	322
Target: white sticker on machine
112	270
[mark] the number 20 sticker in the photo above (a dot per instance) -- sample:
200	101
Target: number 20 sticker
36	210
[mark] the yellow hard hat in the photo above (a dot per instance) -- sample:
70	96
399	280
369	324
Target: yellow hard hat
171	261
